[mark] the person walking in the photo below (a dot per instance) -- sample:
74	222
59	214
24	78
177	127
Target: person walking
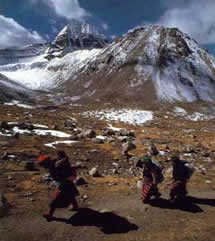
64	174
152	175
181	174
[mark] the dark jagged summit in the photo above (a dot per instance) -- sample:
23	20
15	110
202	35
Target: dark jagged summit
75	36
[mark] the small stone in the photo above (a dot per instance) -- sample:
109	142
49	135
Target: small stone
93	151
140	184
85	197
98	141
104	211
128	146
10	178
94	172
145	207
80	164
116	165
208	181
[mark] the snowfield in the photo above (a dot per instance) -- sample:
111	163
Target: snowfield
133	117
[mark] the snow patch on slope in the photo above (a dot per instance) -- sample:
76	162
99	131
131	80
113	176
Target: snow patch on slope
18	103
52	144
133	117
196	116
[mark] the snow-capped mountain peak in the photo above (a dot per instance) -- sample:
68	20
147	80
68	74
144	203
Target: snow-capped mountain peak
75	36
149	64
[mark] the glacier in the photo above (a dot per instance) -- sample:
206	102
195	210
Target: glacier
41	74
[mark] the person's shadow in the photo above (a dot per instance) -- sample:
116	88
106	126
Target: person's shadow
189	204
108	222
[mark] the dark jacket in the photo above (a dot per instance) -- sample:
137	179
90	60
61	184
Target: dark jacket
61	171
180	171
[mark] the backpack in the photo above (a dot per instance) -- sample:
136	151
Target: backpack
158	172
190	170
63	169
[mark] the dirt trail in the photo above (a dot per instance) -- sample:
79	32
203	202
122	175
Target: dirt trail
114	211
119	217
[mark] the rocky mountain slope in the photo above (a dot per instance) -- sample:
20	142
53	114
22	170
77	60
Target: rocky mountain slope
149	64
10	90
22	55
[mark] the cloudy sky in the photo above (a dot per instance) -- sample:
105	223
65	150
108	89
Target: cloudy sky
35	21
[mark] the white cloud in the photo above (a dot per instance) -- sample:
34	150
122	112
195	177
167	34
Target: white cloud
69	9
13	34
194	17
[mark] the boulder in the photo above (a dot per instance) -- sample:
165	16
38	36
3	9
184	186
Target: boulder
89	133
70	123
108	132
4	125
131	133
123	139
128	146
98	141
123	132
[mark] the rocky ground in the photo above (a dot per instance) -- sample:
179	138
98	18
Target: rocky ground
111	208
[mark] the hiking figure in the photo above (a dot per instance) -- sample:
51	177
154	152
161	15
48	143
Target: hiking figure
64	174
152	174
181	174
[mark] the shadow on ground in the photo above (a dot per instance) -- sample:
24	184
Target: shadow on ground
188	205
108	222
